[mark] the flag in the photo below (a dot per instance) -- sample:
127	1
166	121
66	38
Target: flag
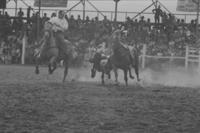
187	5
51	3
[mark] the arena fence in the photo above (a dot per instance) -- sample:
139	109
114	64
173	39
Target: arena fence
192	55
110	14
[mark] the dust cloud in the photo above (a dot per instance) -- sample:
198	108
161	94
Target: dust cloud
167	76
176	77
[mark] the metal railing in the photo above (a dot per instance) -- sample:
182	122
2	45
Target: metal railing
110	14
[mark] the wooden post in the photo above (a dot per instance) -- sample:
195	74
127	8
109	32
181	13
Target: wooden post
144	55
197	23
186	56
126	15
199	61
83	2
111	16
116	6
16	6
38	21
24	40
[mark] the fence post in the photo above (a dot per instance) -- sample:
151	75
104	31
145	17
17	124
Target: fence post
199	60
126	15
143	55
23	49
186	56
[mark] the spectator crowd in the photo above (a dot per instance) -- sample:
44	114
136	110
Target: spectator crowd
166	36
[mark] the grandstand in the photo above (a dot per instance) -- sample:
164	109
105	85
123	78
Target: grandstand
167	38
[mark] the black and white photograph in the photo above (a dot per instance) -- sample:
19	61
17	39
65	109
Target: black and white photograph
99	66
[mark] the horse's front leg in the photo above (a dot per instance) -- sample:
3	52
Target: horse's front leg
93	72
37	71
102	78
66	65
116	75
54	67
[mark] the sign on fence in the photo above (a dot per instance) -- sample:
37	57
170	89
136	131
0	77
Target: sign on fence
51	3
187	6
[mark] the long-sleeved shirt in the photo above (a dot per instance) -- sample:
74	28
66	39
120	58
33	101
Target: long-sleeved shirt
59	24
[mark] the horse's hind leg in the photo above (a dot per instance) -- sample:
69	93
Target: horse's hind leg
137	73
66	70
126	77
116	75
130	73
109	75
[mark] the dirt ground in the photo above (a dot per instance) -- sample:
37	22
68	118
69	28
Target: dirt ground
42	104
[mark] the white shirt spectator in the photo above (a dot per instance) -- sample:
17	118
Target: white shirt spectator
59	24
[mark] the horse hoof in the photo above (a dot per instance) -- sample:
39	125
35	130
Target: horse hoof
37	72
132	77
117	84
50	72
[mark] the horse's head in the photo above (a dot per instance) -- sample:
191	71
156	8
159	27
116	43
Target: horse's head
48	36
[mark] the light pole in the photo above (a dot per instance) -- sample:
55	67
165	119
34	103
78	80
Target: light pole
38	20
116	6
16	6
197	23
197	2
83	2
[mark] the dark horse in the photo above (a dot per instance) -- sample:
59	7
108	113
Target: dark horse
123	59
49	51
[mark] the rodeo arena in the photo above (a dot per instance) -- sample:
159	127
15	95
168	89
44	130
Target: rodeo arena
99	66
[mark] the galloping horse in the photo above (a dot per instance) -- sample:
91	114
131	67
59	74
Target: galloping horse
49	51
123	58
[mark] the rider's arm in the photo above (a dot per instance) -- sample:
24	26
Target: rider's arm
59	24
